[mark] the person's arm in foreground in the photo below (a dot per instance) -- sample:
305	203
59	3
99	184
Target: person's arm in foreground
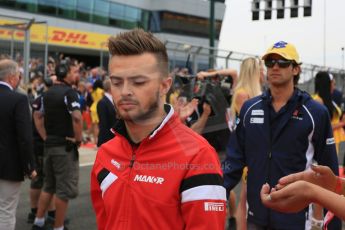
319	175
296	191
298	195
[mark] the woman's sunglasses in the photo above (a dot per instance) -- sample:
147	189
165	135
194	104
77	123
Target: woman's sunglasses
282	63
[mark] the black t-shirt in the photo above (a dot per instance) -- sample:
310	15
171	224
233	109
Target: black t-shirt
59	102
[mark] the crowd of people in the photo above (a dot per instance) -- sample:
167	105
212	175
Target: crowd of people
153	168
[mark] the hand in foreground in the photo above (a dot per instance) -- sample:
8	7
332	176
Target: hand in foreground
292	198
319	175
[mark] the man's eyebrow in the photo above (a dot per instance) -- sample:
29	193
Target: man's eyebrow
116	77
130	78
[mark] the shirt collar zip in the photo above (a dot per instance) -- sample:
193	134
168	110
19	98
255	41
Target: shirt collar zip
120	128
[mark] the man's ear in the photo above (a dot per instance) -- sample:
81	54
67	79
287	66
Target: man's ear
296	70
165	85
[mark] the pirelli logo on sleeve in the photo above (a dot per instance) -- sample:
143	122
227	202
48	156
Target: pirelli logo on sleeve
213	207
204	188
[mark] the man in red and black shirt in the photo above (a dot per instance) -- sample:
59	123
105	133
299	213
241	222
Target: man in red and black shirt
156	173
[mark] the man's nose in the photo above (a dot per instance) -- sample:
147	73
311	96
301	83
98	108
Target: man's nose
275	66
126	89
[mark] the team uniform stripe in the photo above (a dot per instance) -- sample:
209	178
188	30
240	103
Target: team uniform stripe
204	192
310	150
102	174
108	180
201	179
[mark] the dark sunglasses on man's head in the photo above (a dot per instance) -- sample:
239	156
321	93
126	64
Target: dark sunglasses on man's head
282	63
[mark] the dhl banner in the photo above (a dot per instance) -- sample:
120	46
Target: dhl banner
56	36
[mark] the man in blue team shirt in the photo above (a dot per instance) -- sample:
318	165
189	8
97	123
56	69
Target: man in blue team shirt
280	132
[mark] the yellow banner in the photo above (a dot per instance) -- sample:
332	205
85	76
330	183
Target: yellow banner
56	36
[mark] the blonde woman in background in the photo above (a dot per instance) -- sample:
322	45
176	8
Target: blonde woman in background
248	86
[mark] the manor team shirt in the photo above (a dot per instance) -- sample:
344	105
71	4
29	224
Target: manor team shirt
172	180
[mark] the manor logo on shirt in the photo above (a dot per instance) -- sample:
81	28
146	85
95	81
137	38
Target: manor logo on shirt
149	179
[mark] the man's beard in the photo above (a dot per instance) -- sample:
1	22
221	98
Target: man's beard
143	116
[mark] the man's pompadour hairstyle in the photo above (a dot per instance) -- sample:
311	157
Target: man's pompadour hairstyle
136	42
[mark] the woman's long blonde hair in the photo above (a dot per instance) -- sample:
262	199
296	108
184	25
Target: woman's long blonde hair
249	79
